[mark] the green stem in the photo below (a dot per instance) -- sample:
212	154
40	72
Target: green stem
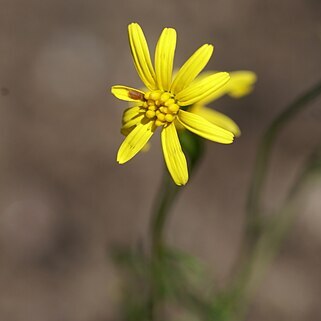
193	148
165	199
264	240
263	157
265	249
271	238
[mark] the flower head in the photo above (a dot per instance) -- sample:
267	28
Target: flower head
165	102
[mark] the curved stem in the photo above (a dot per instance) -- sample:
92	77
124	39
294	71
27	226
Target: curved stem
271	238
262	241
265	248
263	158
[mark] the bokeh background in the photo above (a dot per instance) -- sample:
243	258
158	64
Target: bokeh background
63	199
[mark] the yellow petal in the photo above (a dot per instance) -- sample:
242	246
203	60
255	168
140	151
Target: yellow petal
199	90
215	94
134	142
141	56
131	117
127	131
216	118
178	125
241	83
174	156
127	93
192	67
131	113
204	128
133	122
164	58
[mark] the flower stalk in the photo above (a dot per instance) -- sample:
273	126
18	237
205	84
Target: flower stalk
264	238
254	209
166	197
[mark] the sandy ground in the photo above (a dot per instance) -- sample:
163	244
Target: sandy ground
63	199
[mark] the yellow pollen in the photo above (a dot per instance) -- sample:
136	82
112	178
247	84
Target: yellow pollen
161	107
161	116
173	108
155	95
159	123
150	114
169	118
169	102
165	96
163	110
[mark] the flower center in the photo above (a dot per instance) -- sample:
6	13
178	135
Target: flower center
161	107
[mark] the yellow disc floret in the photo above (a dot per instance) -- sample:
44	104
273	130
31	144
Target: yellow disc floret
161	107
150	114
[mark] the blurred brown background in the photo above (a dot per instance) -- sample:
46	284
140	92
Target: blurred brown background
63	199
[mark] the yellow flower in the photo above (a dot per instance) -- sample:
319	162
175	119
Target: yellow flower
165	102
